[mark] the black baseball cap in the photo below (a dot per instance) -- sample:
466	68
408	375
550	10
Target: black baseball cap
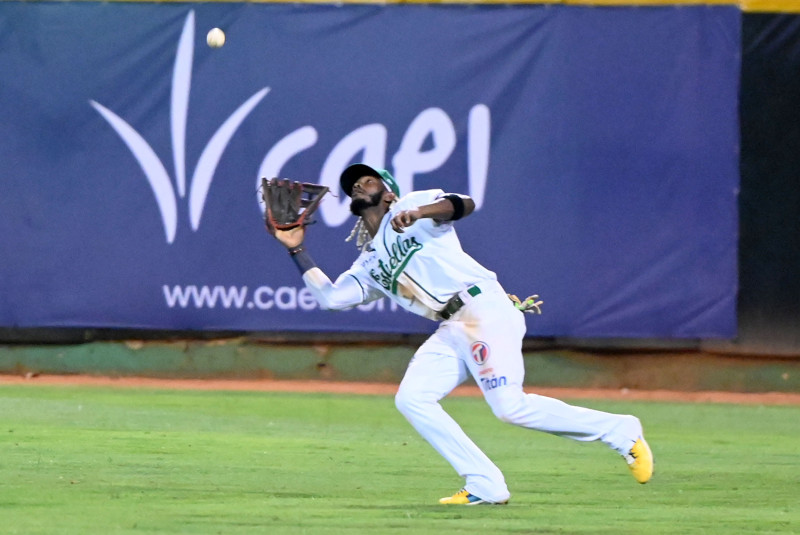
351	175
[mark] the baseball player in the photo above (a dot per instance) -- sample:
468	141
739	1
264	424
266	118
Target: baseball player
411	254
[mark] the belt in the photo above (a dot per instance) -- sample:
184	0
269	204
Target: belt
455	303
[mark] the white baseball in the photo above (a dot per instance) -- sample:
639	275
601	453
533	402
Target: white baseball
215	38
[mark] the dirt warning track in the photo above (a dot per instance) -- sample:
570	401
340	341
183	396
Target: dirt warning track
338	387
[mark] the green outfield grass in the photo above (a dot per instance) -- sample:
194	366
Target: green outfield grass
77	460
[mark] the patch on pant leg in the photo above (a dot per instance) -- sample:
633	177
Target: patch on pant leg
480	353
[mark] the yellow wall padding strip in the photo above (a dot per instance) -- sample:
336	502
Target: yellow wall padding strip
771	6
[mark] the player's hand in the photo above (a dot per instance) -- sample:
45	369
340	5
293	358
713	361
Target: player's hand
405	219
292	237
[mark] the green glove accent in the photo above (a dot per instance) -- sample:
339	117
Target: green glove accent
530	305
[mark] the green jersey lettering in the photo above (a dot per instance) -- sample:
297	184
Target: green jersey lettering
400	252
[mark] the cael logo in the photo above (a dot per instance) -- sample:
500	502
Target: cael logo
154	169
480	352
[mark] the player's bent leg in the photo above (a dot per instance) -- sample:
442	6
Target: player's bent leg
427	380
622	433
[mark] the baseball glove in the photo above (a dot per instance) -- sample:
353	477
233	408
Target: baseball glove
289	204
529	305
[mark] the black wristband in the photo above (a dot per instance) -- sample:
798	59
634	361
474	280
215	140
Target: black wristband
301	258
458	206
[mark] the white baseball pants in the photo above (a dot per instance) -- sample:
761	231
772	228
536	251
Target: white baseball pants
484	339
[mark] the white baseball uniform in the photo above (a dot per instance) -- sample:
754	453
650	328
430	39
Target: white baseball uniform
421	269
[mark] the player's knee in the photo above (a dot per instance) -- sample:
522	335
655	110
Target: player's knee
405	401
410	401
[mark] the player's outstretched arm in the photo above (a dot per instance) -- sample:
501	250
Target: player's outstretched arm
345	293
292	239
451	207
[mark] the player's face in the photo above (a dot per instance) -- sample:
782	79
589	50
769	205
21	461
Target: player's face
367	192
366	185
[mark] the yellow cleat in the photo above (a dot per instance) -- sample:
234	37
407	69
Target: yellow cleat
463	497
640	461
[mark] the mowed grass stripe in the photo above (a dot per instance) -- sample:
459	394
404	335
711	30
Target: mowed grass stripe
100	460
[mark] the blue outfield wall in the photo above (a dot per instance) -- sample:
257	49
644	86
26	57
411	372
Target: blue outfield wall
601	146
